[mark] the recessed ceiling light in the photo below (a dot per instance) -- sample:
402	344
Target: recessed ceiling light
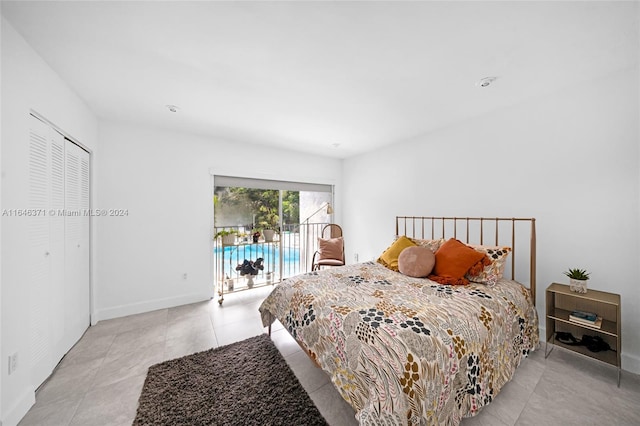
486	82
173	108
335	145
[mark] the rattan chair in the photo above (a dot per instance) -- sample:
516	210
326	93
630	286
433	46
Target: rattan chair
329	257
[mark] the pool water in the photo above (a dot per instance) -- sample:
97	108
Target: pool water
235	255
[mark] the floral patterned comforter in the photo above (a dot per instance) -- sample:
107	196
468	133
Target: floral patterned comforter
407	351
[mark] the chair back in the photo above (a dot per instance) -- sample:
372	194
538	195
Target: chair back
331	231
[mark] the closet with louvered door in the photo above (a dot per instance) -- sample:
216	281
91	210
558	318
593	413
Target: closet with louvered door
58	242
76	242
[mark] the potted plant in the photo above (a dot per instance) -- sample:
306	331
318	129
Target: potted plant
578	279
228	236
268	235
250	269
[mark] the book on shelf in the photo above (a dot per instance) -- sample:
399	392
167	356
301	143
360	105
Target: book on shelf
583	315
580	319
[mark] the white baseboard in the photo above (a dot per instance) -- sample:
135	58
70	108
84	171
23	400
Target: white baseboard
630	363
13	416
147	306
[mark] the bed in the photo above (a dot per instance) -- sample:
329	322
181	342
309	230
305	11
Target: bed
412	351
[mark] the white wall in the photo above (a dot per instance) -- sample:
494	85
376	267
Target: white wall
163	179
569	159
1	204
28	83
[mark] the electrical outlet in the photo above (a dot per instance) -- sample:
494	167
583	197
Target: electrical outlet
13	362
184	276
355	257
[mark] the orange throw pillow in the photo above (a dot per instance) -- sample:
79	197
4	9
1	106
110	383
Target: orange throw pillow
453	260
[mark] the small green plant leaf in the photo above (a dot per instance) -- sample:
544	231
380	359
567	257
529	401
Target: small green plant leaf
577	274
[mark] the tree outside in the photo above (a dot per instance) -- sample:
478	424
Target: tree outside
254	208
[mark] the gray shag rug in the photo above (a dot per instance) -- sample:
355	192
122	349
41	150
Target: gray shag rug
245	383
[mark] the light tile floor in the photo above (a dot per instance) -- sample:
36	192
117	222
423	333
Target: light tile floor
100	379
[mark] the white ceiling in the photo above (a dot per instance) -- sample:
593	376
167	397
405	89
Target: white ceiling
308	75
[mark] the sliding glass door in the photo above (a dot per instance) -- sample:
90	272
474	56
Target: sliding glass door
272	223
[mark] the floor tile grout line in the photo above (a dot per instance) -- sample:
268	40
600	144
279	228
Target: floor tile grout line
102	363
329	383
75	411
526	404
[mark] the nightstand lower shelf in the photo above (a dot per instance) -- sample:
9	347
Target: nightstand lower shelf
609	357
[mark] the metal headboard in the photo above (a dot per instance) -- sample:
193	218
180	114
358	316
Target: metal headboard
503	230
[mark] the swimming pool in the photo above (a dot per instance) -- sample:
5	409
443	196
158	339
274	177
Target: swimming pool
270	252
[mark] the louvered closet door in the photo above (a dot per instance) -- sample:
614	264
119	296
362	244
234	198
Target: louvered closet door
45	276
57	278
58	275
76	243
